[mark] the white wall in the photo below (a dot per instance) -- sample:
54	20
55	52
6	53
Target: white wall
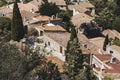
115	53
54	45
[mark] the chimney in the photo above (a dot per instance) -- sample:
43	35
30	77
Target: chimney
99	50
74	11
56	15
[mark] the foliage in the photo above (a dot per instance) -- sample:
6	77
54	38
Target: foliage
48	9
69	24
48	71
99	5
86	74
25	64
105	42
2	2
73	56
74	60
17	29
17	0
107	78
116	41
39	41
116	24
5	23
105	19
91	30
108	13
66	16
11	63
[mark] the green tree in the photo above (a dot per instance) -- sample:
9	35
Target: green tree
48	71
5	23
26	64
66	16
116	41
48	9
74	58
105	19
2	2
116	24
105	42
11	63
86	74
73	66
17	28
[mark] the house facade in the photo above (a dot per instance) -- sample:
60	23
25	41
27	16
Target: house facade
54	36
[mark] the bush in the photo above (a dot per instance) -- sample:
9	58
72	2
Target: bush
5	23
116	41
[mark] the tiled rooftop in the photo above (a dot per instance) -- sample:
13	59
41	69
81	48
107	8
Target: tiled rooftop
58	2
81	18
77	7
111	33
60	37
86	4
99	41
103	57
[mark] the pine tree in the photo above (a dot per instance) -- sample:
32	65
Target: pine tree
105	42
74	58
17	28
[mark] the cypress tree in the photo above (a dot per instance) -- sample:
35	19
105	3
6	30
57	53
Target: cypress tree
73	66
105	42
74	58
17	29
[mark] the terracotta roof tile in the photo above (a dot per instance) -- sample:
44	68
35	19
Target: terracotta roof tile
51	28
103	57
60	37
86	4
111	33
98	41
77	7
81	18
58	2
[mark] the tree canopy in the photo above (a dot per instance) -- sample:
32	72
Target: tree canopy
48	9
11	63
73	66
108	13
2	2
17	64
5	23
